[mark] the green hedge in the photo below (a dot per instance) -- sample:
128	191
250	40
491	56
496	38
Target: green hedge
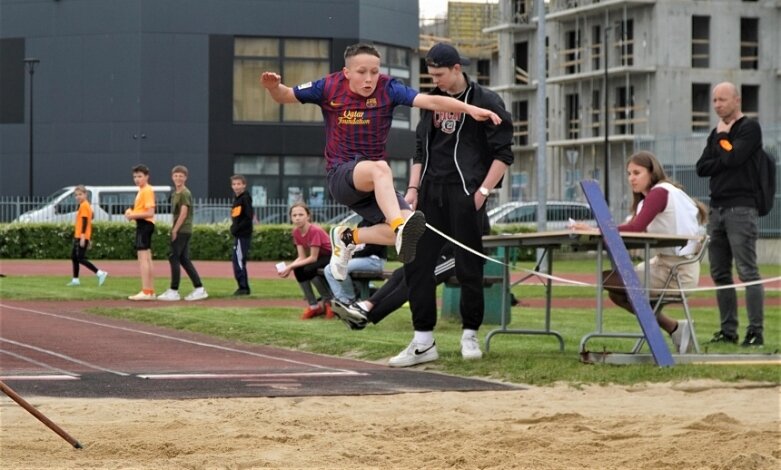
111	240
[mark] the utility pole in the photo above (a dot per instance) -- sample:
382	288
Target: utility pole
30	63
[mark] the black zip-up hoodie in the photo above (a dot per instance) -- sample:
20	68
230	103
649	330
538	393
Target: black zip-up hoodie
728	159
479	143
241	216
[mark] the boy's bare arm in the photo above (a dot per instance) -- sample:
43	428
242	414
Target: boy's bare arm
445	103
280	93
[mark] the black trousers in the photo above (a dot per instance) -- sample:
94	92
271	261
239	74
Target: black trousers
180	258
453	212
241	247
79	257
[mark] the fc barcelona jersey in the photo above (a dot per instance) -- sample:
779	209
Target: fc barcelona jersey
355	126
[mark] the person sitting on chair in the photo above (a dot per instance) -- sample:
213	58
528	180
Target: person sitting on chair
660	206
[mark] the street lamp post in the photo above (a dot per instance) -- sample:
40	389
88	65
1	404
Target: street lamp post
607	125
30	63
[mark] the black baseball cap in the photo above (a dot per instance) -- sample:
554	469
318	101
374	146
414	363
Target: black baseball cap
444	55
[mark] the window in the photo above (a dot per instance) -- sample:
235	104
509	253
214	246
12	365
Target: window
625	111
625	41
749	43
596	47
749	99
520	123
596	120
700	41
573	116
297	60
522	62
395	62
484	72
700	107
572	54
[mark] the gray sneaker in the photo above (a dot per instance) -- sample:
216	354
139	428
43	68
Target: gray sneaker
415	354
355	317
408	236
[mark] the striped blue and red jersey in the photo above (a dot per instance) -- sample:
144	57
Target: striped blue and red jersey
355	126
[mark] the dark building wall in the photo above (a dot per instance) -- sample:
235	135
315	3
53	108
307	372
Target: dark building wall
128	81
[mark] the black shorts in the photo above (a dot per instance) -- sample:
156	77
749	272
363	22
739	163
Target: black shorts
144	232
342	189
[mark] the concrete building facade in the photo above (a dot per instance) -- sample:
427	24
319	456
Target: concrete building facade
166	82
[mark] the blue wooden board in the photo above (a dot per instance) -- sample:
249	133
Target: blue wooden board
622	263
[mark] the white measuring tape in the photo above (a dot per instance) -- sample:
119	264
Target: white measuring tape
575	283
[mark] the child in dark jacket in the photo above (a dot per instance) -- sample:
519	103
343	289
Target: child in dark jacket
241	229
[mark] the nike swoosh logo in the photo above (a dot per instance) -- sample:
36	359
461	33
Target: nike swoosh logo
418	352
336	104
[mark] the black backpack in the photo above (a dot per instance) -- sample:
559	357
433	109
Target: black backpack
766	191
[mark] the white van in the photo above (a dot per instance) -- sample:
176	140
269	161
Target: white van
109	203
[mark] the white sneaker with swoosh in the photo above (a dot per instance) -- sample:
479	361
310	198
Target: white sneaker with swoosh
415	353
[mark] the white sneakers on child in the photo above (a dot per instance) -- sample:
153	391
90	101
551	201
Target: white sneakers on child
169	296
102	275
142	296
198	294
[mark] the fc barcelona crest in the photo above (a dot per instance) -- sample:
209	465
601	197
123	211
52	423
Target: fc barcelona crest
371	103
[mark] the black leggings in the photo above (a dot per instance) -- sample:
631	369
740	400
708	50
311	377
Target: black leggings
79	256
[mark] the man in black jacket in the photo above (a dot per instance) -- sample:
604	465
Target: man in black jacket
241	229
729	159
458	162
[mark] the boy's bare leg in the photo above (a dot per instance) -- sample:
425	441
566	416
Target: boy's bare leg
376	176
145	263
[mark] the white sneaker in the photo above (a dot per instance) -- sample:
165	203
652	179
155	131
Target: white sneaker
681	337
415	354
102	275
408	235
73	283
142	296
340	253
470	348
170	295
198	294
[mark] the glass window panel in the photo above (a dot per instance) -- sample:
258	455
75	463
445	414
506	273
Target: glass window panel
396	56
399	73
256	165
312	48
297	72
250	100
264	47
383	50
297	166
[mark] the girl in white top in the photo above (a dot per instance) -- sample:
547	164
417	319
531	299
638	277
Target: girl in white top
660	206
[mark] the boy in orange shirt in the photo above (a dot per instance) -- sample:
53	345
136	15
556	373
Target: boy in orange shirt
143	212
81	238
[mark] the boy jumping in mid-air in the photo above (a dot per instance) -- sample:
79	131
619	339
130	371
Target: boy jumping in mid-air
357	105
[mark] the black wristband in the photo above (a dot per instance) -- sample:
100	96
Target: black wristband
413	187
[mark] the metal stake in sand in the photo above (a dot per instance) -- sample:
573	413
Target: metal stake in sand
49	423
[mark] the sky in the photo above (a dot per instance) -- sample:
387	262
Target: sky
438	8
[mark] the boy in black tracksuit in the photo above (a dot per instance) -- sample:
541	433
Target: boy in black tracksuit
241	229
457	163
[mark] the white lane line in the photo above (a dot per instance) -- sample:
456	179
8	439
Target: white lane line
63	356
250	376
38	363
38	377
174	338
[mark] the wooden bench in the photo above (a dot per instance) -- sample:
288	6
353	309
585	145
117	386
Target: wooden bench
362	280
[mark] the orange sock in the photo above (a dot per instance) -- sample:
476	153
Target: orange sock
148	291
355	236
396	223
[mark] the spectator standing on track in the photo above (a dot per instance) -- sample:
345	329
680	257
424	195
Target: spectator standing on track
82	235
458	162
313	247
181	231
143	212
659	206
241	229
729	160
357	105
